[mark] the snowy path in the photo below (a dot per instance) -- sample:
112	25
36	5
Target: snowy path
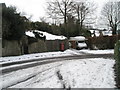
81	73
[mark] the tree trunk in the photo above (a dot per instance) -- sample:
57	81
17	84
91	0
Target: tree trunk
114	30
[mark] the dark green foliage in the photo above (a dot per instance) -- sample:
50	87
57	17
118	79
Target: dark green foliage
117	66
62	29
73	30
85	32
71	26
117	51
13	25
103	42
42	26
55	29
70	29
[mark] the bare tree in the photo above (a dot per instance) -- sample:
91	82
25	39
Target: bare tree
59	9
43	19
83	9
111	12
62	9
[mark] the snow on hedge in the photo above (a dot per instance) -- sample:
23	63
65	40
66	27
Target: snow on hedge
48	35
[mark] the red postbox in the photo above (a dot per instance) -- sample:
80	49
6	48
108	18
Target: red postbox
62	47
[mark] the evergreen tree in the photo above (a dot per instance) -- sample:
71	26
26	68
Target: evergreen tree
13	24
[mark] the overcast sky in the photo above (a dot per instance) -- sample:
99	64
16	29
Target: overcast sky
36	8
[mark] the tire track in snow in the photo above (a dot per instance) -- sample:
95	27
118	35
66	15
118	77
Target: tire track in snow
23	79
64	84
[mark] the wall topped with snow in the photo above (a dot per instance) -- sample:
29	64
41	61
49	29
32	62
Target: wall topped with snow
48	35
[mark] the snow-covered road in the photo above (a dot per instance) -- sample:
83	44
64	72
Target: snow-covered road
81	73
75	73
68	52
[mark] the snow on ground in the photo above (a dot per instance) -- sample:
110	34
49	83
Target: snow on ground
52	54
48	35
89	73
83	73
109	51
24	74
38	56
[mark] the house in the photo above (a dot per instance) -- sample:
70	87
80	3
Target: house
97	33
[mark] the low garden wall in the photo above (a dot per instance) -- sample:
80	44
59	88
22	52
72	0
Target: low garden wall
29	45
55	45
10	48
37	47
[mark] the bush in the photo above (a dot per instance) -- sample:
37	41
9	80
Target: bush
103	42
117	66
13	24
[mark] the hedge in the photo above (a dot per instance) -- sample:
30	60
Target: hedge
117	65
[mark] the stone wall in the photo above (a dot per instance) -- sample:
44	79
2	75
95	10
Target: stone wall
54	45
47	46
37	47
10	48
28	46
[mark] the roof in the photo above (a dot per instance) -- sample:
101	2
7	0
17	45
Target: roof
104	32
48	35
